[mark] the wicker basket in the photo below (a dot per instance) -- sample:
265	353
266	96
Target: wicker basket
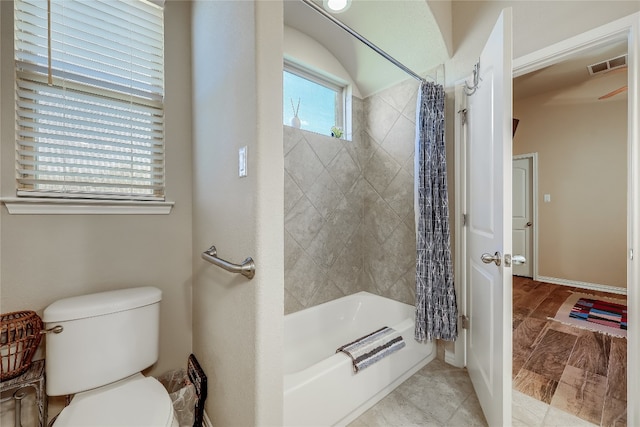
19	339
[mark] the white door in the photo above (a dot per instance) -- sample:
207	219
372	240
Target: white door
488	230
522	215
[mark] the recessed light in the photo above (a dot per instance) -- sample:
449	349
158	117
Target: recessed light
336	6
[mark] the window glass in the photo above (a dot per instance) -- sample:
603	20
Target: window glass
90	99
317	106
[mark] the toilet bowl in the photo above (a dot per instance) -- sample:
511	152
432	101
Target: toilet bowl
103	343
134	401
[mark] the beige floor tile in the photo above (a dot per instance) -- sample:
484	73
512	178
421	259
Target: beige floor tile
581	393
394	410
437	391
437	395
558	418
527	411
469	414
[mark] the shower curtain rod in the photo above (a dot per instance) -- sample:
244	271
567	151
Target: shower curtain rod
355	34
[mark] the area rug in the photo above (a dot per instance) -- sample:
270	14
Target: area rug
599	314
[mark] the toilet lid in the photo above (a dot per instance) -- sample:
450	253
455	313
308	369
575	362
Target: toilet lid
134	401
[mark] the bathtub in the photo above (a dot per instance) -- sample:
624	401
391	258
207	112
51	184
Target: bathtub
320	387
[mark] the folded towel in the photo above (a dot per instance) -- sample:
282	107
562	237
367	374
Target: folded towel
369	349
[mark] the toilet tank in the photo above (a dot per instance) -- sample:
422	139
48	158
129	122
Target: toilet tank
105	337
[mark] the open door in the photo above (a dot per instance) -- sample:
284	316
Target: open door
488	226
522	214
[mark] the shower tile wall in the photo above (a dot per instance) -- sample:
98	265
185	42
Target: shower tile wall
349	205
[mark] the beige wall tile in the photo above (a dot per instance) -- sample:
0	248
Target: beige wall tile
349	205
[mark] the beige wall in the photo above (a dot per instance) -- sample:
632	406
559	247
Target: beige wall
237	75
303	50
536	24
582	165
48	257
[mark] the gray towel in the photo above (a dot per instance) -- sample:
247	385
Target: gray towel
369	349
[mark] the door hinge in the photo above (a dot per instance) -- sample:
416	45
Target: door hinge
464	220
464	320
463	116
631	254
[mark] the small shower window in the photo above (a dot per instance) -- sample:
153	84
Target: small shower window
313	102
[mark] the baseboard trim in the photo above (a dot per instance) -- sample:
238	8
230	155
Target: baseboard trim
206	421
451	359
582	285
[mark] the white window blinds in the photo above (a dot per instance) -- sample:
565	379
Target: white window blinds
89	98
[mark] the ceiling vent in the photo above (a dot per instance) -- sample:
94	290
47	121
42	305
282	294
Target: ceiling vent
608	65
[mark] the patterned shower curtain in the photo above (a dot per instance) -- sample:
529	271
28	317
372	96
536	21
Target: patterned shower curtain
436	309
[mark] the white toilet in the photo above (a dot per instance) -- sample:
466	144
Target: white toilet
106	340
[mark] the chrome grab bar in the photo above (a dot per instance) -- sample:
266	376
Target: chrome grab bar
247	268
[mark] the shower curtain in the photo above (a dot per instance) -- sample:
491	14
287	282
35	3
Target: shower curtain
436	309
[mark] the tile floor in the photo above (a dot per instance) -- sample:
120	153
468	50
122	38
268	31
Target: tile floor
580	372
437	395
441	395
563	376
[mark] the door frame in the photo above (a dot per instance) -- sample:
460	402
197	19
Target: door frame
627	28
534	208
458	356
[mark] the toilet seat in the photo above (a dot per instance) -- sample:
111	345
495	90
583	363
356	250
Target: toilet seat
134	401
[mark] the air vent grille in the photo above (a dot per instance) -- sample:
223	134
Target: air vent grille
608	65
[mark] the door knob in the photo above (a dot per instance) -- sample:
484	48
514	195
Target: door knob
518	259
488	258
529	224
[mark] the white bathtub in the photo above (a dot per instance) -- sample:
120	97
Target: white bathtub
320	387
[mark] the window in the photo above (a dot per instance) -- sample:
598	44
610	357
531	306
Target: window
317	102
89	99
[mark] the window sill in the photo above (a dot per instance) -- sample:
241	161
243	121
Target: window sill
344	137
44	206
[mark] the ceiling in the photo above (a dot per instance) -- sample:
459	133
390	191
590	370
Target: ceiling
408	31
571	79
404	29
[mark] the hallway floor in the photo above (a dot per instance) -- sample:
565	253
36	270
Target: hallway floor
564	367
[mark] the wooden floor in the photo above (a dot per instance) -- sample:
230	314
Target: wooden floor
578	371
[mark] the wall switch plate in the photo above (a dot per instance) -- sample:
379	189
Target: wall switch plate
547	198
242	162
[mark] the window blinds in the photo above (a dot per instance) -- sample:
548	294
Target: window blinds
89	98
